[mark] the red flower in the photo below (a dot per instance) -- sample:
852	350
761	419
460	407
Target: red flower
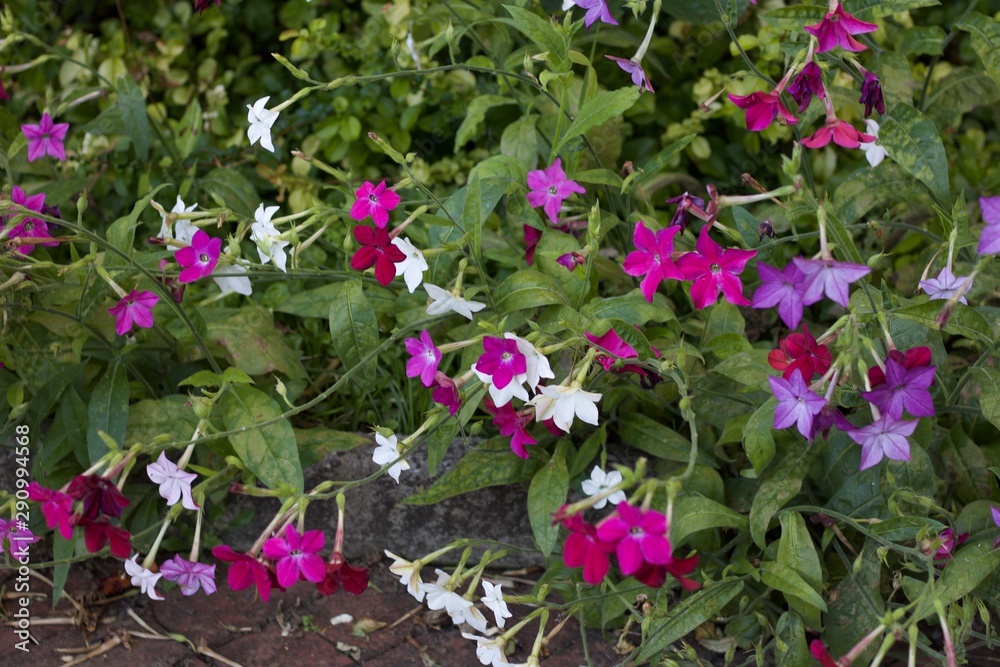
583	548
446	392
96	534
820	652
340	574
99	496
800	351
245	571
376	250
912	358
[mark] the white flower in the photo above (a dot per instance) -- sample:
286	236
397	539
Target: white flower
440	598
233	278
489	651
536	363
945	286
409	575
561	403
261	120
264	234
183	229
412	268
143	578
501	397
568	5
443	301
495	603
874	151
387	452
175	484
600	482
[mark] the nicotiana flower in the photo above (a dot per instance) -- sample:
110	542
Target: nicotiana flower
17	539
57	508
98	534
915	357
600	482
584	549
995	513
531	238
512	424
386	452
830	277
202	5
884	437
949	542
683	213
424	358
142	578
189	575
945	286
376	250
446	393
819	651
33	228
639	536
183	229
635	71
409	575
537	366
762	108
375	201
297	556
442	301
99	496
904	388
494	602
989	242
781	288
175	484
458	608
619	349
871	95
873	150
261	119
233	278
245	571
796	403
571	260
652	258
800	352
135	308
265	235
198	259
808	82
839	132
340	574
560	403
46	138
714	271
413	265
501	360
549	188
838	29
489	651
596	10
502	395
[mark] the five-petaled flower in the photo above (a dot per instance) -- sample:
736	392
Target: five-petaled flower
838	29
199	259
830	277
189	575
781	288
501	360
946	286
424	358
904	388
762	108
560	403
839	132
183	229
652	258
175	484
584	549
99	496
596	9
549	188
135	308
512	424
261	119
808	82
245	571
800	352
297	556
375	201
494	602
265	235
409	575
57	508
142	578
46	138
387	452
29	227
873	150
796	403
443	301
989	241
635	71
413	265
376	250
599	482
97	534
714	271
639	537
884	437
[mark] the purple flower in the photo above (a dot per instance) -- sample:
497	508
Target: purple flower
714	271
46	138
32	228
830	277
201	5
995	511
634	70
651	258
762	109
796	404
807	83
502	360
989	242
596	9
188	575
198	259
838	29
135	308
640	537
375	201
16	537
682	215
945	286
550	187
871	94
827	419
782	289
884	437
571	260
424	358
903	389
296	556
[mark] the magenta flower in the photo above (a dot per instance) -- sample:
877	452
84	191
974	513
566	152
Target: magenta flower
297	556
808	82
840	132
640	537
189	575
97	534
838	29
571	260
549	188
46	138
33	228
782	289
446	393
995	511
949	542
198	259
375	201
884	437
796	404
3	92
99	495
989	241
502	360
583	548
57	508
904	388
871	95
202	5
613	343
596	9
762	109
17	539
531	238
829	417
682	214
376	250
245	571
634	70
651	258
714	270
134	308
945	286
424	358
512	424
830	277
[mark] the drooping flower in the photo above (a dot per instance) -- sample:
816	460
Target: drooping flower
635	71
654	576
57	508
915	357
99	496
175	484
989	242
560	404
945	286
3	92
183	229
46	138
494	602
135	308
781	288
265	235
762	108
387	451
884	437
873	150
142	578
501	360
600	482
839	132
683	213
596	10
613	343
808	82
571	260
458	608
446	393
297	556
245	571
829	277
904	388
341	574
871	95
796	403
30	228
512	424
639	536
189	575
376	250
549	188
531	238
375	201
949	542
409	575
424	358
829	417
714	271
652	258
536	363
443	301
97	534
819	651
838	29
583	548
489	651
261	119
800	352
200	258
233	278
413	266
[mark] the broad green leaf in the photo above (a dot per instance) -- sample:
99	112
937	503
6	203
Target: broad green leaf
472	220
546	494
233	191
971	565
62	552
779	484
108	410
604	107
922	40
687	615
985	33
902	528
842	238
749	368
795	17
958	92
127	117
475	114
790	645
634	338
315	443
520	141
599	177
631	307
797	550
528	289
253	343
354	330
648	435
659	161
723	318
493	464
989	397
694	513
869	10
310	303
588	450
758	438
188	129
914	143
270	452
966	465
544	34
856	606
148	419
964	320
788	581
872	189
121	232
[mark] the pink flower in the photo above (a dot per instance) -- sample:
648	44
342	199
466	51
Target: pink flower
245	571
714	270
512	424
781	288
57	508
796	403
819	651
884	437
531	238
550	187
189	575
446	393
376	250
840	132
949	542
199	258
838	29
3	92
99	495
989	241
297	556
502	360
32	228
613	343
97	534
635	70
202	5
596	9
639	537
830	277
571	260
651	258
375	201
135	308
424	358
46	138
762	108
583	548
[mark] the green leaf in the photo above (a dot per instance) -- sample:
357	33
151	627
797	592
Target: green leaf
631	307
472	220
985	33
315	444
128	116
790	644
169	416
647	434
475	114
988	380
856	606
659	161
108	410
62	552
634	338
493	464
964	320
869	10
788	581
233	191
970	567
842	238
687	615
528	289
758	438
749	368
966	464
202	379
354	330
546	494
779	484
604	107
520	141
253	343
544	34
795	17
694	513
914	143
310	303
269	452
922	40
121	232
797	550
868	189
588	450
723	318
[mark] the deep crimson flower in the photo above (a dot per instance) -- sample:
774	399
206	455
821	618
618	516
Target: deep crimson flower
800	352
531	238
871	94
829	417
838	29
714	271
583	548
655	576
639	537
819	651
99	496
549	188
808	82
200	258
840	132
96	534
502	360
651	258
424	358
684	203
57	508
376	249
634	70
297	556
135	308
3	92
512	424
340	574
446	393
33	228
904	388
46	138
762	108
375	201
915	357
245	571
175	286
